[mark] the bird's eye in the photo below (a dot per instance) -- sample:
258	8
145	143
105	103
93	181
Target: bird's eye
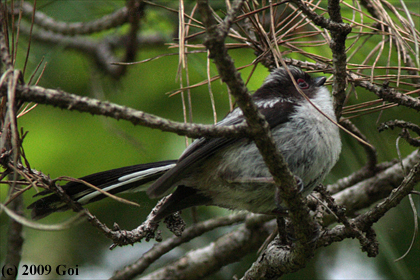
302	84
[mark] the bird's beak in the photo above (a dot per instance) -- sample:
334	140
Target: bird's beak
320	81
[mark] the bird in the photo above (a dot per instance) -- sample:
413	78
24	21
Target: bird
224	171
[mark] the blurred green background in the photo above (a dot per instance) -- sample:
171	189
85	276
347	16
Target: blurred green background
69	143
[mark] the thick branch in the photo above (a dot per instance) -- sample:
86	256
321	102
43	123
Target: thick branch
162	248
68	101
338	48
227	249
364	193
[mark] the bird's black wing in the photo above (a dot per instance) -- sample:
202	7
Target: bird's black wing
201	149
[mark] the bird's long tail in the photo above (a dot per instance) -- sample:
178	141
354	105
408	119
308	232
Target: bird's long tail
126	179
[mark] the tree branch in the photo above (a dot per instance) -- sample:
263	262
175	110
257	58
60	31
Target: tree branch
162	248
338	48
61	99
378	187
364	193
227	249
109	21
